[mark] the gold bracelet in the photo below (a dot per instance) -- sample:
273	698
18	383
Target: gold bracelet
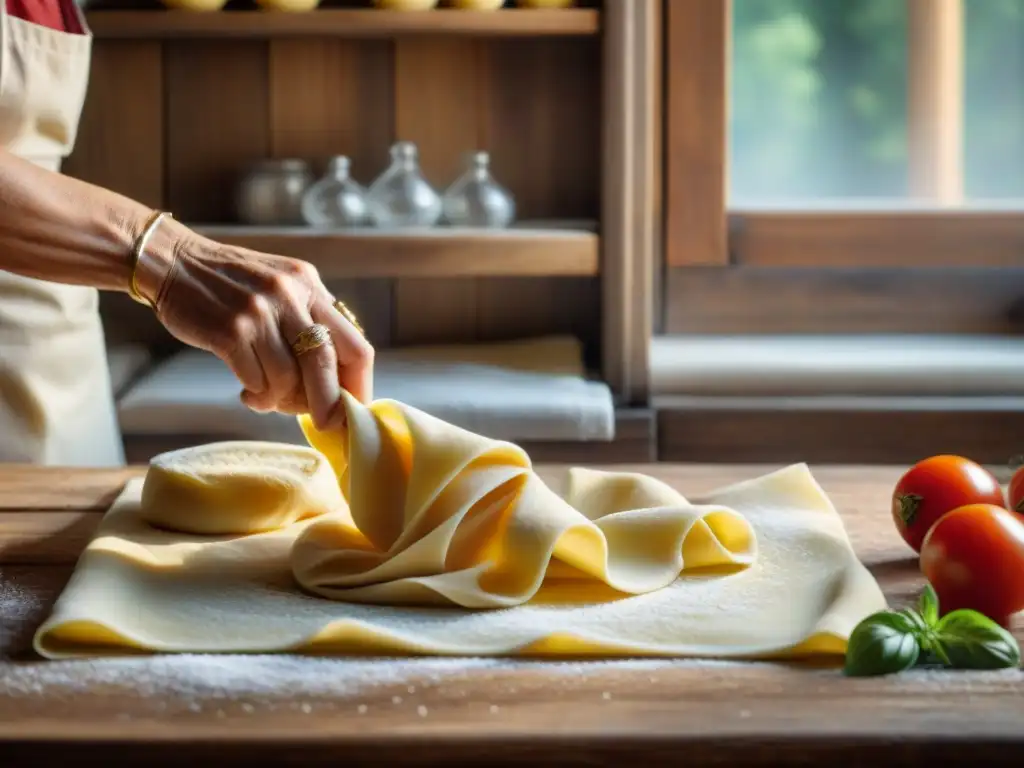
137	250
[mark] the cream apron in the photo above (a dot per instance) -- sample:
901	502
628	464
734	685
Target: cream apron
56	404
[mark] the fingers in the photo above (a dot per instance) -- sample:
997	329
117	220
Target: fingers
294	405
289	300
354	352
244	361
319	370
281	369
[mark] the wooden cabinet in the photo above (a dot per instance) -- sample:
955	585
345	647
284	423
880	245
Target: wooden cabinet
564	100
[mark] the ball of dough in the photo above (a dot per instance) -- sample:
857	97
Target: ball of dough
291	6
238	487
201	6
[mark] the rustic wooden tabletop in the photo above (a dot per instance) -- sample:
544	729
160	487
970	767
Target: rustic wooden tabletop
260	710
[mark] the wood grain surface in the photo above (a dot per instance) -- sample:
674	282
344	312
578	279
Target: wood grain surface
904	239
452	252
818	430
697	46
825	300
503	712
631	203
343	22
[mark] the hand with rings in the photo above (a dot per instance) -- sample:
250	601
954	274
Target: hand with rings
291	344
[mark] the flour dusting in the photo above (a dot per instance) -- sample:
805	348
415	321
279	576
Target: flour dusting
208	683
214	686
214	677
19	606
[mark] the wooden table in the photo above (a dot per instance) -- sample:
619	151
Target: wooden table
157	711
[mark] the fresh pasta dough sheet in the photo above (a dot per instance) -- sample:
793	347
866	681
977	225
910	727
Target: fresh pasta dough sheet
443	542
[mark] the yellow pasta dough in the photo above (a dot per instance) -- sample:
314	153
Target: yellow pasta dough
438	515
440	541
238	487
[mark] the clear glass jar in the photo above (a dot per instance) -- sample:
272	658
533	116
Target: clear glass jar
401	197
336	200
270	194
476	199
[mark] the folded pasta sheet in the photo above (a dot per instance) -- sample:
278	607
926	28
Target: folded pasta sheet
435	540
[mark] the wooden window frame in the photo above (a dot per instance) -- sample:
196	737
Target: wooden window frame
631	186
701	230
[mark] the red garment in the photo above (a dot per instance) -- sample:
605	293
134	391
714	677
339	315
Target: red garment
55	14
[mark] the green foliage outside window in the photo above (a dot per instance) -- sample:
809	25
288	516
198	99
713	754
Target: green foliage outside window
819	93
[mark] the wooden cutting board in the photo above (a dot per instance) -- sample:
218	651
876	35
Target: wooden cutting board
157	711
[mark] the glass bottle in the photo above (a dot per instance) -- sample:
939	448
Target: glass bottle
336	200
401	197
476	199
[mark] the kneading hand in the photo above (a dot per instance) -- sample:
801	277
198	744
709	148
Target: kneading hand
249	308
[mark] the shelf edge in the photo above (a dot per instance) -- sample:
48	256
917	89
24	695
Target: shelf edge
502	253
351	23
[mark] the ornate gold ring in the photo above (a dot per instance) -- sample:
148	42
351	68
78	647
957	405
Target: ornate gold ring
315	336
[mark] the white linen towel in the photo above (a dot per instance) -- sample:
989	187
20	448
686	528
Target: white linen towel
531	390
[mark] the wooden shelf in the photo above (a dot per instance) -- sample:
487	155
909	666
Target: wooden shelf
436	252
508	22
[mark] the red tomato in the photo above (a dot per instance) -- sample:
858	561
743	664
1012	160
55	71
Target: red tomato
974	558
935	486
1016	491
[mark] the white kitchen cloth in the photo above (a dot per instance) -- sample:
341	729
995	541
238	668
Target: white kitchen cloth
855	365
531	390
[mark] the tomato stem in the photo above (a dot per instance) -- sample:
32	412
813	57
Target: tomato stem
910	503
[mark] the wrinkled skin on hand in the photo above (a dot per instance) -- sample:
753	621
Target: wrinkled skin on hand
248	308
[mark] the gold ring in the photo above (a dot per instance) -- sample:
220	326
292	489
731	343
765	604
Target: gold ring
349	315
315	336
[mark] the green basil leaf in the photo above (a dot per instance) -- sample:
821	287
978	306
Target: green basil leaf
882	644
928	606
932	651
920	626
971	640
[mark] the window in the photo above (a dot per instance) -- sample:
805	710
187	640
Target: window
838	173
816	102
876	100
849	134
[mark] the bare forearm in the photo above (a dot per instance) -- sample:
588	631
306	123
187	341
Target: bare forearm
61	229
